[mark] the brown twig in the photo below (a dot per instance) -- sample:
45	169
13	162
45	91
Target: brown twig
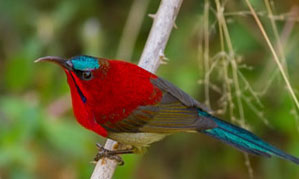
275	56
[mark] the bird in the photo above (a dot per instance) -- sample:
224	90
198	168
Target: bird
123	102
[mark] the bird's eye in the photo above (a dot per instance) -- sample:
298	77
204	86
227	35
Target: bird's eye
86	75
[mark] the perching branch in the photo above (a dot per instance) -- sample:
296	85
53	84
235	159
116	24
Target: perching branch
151	58
164	21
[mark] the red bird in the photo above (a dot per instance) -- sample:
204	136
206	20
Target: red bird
126	103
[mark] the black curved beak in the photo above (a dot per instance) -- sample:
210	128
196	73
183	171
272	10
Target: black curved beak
58	60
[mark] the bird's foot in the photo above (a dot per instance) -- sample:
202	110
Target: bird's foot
111	154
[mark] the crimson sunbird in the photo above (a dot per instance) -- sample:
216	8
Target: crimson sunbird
123	102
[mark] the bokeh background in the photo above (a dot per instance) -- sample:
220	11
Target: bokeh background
39	137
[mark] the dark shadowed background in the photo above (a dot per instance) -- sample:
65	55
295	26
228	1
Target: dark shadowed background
39	137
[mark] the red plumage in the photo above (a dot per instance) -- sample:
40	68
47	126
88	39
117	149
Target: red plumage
115	91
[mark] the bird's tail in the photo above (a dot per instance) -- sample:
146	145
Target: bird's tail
244	140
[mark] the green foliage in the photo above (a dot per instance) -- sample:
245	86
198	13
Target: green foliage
39	137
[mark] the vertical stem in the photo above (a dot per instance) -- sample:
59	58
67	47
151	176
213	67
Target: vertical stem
234	65
232	60
206	53
276	35
227	88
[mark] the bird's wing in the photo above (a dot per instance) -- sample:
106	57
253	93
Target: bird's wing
174	91
176	112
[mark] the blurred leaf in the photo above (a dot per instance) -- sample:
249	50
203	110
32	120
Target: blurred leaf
68	136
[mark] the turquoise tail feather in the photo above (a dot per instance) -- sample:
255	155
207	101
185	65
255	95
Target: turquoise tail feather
243	139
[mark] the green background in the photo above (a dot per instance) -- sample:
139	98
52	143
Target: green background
39	137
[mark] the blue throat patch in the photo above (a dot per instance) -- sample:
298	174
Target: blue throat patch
85	63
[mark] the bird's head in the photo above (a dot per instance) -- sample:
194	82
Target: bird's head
83	72
82	67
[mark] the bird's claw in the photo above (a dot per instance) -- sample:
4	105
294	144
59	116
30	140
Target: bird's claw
104	153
